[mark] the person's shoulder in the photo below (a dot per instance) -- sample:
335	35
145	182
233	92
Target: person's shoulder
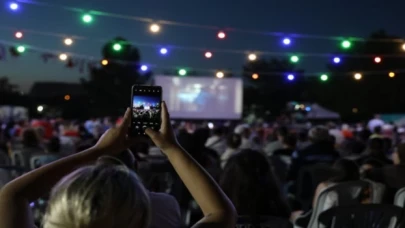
160	196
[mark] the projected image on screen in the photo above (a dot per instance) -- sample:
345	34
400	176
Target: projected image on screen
146	108
202	97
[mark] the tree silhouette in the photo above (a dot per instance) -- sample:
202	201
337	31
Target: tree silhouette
109	86
271	91
9	93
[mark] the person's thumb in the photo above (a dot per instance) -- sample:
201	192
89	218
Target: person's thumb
152	134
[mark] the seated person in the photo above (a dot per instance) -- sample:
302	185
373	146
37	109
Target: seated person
108	196
391	175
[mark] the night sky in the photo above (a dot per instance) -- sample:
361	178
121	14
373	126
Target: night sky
330	18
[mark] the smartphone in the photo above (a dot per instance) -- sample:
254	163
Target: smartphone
146	104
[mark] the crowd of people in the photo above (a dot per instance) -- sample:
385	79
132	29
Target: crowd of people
91	174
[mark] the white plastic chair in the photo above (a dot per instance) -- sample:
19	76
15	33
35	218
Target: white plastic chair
400	198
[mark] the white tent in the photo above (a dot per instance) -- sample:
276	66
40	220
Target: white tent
319	112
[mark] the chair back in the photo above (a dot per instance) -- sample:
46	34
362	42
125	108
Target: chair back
366	215
17	159
8	173
400	198
377	191
262	222
40	160
4	158
342	194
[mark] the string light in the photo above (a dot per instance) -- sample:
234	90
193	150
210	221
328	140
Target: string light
63	57
87	18
68	41
346	44
324	77
154	28
290	77
208	54
391	74
182	72
66	97
220	74
14	6
21	49
286	41
377	60
117	47
221	35
403	46
252	57
336	60
294	59
163	51
104	62
18	35
255	76
144	68
358	76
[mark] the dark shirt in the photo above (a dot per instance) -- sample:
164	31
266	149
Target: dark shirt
392	176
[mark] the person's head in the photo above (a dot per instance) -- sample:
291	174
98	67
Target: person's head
233	141
371	164
248	180
30	138
376	147
281	132
377	116
290	141
54	145
345	170
377	130
218	131
319	134
398	156
106	196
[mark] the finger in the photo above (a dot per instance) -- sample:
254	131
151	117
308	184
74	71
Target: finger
151	133
165	116
126	121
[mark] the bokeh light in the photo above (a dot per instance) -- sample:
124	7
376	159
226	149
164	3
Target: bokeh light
252	57
255	76
144	68
286	41
358	76
294	59
66	97
117	47
336	60
208	54
14	6
68	41
377	60
18	35
21	49
324	77
403	46
154	28
104	62
63	57
163	51
290	77
346	44
391	74
87	18
182	72
220	74
221	35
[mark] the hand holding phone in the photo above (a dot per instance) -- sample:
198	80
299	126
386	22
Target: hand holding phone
146	109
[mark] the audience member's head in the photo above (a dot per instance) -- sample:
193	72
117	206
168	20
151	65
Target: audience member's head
375	147
54	145
99	196
398	156
377	130
290	141
249	182
345	170
30	138
234	141
371	164
319	134
363	135
281	132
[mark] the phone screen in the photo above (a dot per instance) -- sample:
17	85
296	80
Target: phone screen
146	108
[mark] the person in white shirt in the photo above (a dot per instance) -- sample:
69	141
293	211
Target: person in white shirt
233	144
217	141
269	149
376	122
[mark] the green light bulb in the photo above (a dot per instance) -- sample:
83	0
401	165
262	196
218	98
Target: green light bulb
87	18
117	47
21	49
294	59
324	77
182	72
346	44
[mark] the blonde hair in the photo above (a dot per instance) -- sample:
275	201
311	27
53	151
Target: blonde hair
98	196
